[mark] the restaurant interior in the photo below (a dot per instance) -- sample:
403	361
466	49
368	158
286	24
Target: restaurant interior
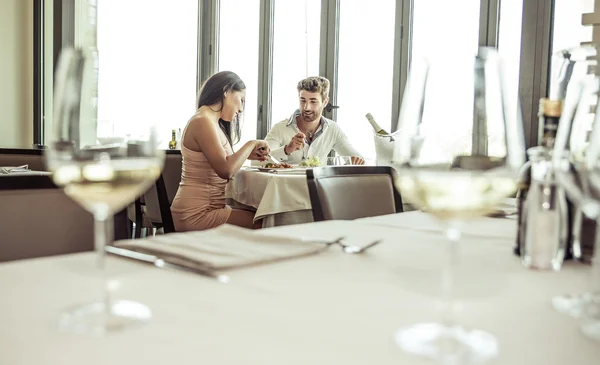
159	205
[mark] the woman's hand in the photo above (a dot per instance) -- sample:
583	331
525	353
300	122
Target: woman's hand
260	151
357	160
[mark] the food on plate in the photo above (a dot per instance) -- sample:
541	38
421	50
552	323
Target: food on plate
311	162
282	165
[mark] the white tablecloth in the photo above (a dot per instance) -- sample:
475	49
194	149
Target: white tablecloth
332	308
274	196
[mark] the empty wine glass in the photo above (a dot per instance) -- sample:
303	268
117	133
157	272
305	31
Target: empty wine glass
591	180
460	148
570	168
102	177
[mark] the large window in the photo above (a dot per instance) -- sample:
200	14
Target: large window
144	74
509	43
238	52
296	42
567	33
455	39
366	69
440	26
365	49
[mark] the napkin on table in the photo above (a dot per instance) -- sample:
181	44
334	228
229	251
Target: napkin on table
222	248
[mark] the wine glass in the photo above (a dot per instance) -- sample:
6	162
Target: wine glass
459	151
572	141
591	180
103	177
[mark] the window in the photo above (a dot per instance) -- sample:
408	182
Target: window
238	52
509	43
296	46
364	48
440	26
145	76
450	38
567	33
366	70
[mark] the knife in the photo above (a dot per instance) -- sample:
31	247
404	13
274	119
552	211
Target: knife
158	262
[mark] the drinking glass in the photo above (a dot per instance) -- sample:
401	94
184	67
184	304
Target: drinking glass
569	155
459	148
591	180
102	176
339	161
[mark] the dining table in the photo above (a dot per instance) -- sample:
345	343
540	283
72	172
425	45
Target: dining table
330	308
279	197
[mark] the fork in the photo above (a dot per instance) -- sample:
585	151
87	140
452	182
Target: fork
351	249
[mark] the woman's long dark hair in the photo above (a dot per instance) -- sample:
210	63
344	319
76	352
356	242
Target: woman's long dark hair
212	92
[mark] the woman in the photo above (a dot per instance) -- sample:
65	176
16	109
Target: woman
208	157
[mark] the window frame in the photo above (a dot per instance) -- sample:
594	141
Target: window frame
533	75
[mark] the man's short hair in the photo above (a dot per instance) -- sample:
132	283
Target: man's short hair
315	84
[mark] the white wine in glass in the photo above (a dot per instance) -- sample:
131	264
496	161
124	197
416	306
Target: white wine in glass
460	147
103	175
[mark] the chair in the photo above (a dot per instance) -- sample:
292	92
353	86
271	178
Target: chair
159	197
351	192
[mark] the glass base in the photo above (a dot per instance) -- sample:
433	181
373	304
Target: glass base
448	345
570	304
578	305
592	330
95	318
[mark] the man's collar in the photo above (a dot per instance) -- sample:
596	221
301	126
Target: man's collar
292	120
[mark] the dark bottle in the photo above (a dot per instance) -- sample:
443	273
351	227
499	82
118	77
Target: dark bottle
549	115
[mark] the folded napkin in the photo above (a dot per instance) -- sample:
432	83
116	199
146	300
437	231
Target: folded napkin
10	169
222	248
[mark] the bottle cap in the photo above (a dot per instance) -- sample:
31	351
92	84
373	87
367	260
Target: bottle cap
551	108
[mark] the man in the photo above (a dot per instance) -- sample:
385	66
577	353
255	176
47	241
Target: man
307	133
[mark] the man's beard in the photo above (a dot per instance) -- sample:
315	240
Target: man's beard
312	116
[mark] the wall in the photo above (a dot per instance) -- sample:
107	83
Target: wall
16	73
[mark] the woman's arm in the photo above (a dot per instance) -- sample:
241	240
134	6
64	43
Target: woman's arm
205	133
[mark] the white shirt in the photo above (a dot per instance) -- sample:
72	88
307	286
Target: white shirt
329	136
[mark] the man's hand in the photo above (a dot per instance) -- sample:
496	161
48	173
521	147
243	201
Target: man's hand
357	160
296	143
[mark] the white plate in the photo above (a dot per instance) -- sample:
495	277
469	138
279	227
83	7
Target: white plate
293	170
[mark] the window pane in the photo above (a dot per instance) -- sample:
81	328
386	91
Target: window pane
238	52
437	33
567	32
144	76
509	43
442	26
365	70
296	42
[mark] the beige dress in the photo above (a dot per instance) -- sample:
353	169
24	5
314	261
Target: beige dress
200	200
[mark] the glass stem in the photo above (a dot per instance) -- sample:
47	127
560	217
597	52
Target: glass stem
103	236
453	234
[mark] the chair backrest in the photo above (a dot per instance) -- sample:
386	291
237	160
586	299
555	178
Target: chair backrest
34	158
351	192
158	202
37	219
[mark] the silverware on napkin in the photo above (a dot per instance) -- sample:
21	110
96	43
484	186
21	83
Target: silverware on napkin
158	262
8	170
